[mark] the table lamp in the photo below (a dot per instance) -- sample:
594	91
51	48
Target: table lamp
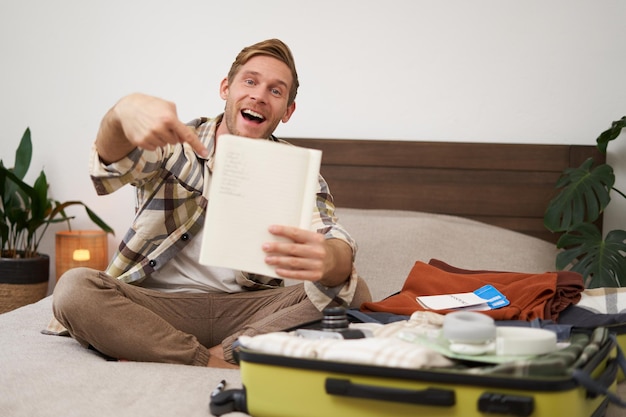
77	248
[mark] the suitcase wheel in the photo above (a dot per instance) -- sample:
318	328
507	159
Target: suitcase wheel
228	401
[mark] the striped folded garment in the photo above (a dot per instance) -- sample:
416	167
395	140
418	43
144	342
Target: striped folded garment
605	300
390	352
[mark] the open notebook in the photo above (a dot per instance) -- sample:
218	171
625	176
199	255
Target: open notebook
256	183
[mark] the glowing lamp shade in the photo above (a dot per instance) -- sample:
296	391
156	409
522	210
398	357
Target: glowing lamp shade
81	255
78	248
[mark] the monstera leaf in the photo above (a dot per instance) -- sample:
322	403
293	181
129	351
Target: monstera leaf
610	134
601	262
584	195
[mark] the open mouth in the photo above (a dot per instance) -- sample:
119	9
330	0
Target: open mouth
252	116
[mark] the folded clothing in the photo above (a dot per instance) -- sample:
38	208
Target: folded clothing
531	295
383	351
605	300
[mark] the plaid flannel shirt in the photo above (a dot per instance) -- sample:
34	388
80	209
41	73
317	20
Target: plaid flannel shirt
172	195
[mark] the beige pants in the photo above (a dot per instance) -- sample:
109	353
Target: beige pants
130	322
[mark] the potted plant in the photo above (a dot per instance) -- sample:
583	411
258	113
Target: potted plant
585	194
25	213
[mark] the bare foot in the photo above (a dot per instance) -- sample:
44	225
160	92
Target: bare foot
216	359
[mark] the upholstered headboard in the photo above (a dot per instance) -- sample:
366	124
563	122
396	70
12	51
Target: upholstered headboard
507	185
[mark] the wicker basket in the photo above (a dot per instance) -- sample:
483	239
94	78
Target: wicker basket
13	296
23	281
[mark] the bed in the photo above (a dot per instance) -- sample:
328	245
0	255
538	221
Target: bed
472	205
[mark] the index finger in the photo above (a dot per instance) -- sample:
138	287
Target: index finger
186	134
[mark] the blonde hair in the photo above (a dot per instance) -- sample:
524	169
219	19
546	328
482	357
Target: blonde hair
274	48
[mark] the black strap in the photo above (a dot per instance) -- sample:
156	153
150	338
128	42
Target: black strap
599	387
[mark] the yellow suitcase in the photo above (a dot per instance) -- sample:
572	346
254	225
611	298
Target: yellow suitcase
275	386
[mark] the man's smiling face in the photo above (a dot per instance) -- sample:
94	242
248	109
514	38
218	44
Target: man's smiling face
257	97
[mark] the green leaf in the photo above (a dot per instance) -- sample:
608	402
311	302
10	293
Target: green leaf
585	194
39	199
602	263
97	220
17	200
3	185
23	155
4	230
60	210
610	134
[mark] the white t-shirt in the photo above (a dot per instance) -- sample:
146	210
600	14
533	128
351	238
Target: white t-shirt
184	273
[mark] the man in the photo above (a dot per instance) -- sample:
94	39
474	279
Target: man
156	302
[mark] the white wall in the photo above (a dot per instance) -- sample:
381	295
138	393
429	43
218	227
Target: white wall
534	71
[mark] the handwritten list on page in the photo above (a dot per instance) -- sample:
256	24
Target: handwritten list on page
256	183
